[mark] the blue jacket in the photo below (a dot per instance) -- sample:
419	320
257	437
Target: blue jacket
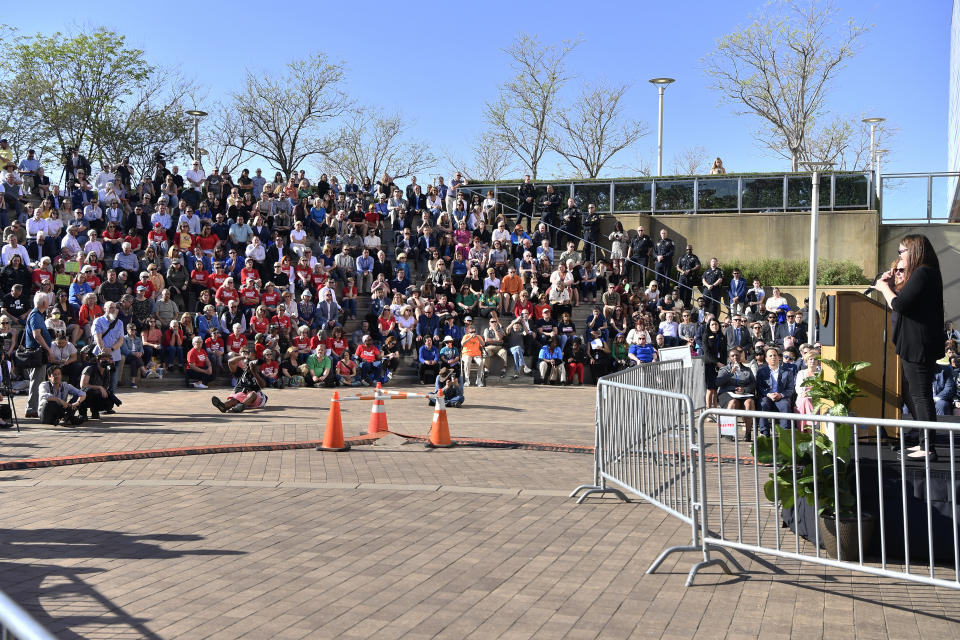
738	289
546	354
428	326
428	354
944	383
786	381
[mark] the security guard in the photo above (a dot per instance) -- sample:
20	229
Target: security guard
687	267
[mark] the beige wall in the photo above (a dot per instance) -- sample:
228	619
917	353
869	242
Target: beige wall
843	236
946	240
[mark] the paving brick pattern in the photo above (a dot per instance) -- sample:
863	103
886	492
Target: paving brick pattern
387	541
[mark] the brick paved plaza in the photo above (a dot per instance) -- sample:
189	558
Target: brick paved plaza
386	541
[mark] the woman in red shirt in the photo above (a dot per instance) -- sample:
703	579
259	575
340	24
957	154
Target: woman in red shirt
226	293
260	322
337	344
198	369
270	297
235	341
112	239
208	242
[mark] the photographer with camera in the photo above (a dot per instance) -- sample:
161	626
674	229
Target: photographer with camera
248	393
95	381
36	343
60	401
107	332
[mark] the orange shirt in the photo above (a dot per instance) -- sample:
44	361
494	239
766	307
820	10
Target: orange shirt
472	345
511	284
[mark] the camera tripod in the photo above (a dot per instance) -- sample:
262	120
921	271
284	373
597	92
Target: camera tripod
7	390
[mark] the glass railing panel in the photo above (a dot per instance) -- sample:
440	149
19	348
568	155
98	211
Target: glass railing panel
717	194
763	194
674	195
632	196
597	194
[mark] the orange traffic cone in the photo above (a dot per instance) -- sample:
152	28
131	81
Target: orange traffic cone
333	436
378	414
440	430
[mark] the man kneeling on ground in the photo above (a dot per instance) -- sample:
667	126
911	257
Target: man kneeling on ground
60	401
248	393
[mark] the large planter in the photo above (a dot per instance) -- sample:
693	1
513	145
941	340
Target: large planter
842	534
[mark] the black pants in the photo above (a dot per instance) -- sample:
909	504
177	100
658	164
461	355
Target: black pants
918	396
686	290
662	269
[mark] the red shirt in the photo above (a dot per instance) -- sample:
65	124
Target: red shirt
215	280
368	353
39	275
521	306
235	342
245	274
112	236
157	236
198	358
201	276
270	369
249	296
169	335
270	298
259	325
281	321
304	274
214	345
301	342
207	243
134	242
147	285
258	350
372	218
319	280
224	295
337	345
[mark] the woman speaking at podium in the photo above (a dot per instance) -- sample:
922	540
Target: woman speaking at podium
914	291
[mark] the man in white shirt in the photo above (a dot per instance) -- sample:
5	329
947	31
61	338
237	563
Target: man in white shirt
70	242
191	220
36	224
195	179
12	248
105	176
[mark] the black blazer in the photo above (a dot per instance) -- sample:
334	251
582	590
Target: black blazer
918	317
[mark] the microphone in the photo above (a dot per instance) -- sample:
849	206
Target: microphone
872	287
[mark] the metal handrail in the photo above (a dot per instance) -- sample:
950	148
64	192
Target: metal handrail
17	623
598	249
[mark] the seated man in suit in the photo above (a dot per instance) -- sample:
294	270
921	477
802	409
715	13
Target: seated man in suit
770	329
775	387
791	327
737	334
944	389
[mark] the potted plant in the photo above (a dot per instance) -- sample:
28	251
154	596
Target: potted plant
802	456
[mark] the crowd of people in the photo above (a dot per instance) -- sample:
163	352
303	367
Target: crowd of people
252	282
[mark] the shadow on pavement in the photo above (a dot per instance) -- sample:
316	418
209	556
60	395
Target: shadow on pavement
59	597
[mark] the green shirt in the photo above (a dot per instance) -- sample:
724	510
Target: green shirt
318	366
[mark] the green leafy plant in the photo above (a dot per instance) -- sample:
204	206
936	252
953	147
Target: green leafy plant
809	455
837	394
812	456
783	272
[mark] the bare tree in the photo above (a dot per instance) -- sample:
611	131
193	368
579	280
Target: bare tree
781	67
846	143
490	160
371	142
226	140
285	114
522	116
692	161
593	130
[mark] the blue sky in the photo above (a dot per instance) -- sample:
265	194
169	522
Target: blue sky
439	62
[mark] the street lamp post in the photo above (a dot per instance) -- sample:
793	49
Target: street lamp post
661	84
196	114
873	122
878	172
816	168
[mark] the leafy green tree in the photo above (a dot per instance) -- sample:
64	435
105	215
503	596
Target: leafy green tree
91	91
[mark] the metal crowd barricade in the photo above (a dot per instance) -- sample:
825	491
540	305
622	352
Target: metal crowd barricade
644	445
901	501
17	624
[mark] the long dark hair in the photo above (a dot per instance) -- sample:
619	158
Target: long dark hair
920	253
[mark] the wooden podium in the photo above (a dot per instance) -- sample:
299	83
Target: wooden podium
850	328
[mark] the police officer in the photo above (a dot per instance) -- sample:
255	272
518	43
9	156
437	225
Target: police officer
526	194
639	252
663	250
570	225
712	282
687	268
549	204
591	232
